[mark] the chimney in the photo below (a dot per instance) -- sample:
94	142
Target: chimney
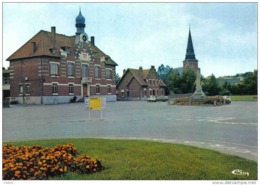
124	71
92	38
53	31
140	68
153	68
33	46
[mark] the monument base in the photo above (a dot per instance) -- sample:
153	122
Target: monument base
198	94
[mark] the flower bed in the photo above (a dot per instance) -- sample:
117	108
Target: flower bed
35	162
209	100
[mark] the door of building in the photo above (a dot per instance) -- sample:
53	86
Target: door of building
85	90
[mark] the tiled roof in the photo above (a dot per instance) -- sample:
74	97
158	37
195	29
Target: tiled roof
146	72
161	83
141	75
44	42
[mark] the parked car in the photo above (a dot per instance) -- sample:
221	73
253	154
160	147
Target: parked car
227	99
151	99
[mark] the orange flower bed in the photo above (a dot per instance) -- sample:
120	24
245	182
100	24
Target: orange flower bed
35	162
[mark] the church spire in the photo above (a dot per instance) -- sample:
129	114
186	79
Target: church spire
190	51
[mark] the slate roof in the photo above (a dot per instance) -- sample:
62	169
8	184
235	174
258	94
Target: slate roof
44	42
190	54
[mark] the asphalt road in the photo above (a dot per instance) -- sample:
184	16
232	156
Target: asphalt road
231	128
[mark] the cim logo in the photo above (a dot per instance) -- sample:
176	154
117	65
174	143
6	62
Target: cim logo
239	172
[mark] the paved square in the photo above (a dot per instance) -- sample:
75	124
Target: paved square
231	128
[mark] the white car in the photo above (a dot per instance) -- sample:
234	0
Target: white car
151	99
227	99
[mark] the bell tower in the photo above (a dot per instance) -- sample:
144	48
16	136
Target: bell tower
80	26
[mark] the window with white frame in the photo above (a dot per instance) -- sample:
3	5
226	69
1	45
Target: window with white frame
97	89
71	88
54	88
97	72
70	69
27	88
20	88
109	89
84	70
108	73
122	93
54	69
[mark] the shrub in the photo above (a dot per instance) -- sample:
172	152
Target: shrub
35	162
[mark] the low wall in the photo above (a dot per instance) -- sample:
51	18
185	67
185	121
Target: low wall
49	100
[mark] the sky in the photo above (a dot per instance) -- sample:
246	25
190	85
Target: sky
143	34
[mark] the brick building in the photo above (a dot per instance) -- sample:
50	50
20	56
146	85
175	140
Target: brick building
52	68
6	83
138	84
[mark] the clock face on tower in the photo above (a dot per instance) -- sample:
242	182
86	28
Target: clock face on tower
83	37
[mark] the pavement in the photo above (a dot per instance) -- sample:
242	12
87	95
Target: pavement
231	129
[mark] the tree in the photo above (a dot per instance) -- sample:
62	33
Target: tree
188	78
173	81
210	86
118	78
250	83
163	71
225	89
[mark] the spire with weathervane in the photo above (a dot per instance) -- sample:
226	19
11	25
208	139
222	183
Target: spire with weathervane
190	51
190	59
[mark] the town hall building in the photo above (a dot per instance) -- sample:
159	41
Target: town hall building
52	68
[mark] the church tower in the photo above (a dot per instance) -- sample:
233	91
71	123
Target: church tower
80	26
190	59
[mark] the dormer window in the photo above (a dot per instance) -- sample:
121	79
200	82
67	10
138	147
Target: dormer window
53	50
66	49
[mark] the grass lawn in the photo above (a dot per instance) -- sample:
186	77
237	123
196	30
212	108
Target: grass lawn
244	98
147	160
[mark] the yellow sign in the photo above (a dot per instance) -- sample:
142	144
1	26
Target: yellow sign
95	103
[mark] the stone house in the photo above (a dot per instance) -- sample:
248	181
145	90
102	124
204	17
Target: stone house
138	84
